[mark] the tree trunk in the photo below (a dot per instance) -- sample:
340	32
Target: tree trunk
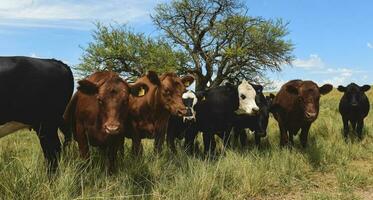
201	83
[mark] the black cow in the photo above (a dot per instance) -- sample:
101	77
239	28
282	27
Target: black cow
257	123
34	94
183	127
354	107
215	114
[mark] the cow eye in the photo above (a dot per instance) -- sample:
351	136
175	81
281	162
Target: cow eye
99	100
243	96
168	92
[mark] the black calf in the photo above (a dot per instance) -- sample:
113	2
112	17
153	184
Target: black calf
354	107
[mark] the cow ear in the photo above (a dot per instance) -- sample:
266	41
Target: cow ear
187	80
365	88
325	89
341	88
153	77
292	90
139	90
87	87
258	88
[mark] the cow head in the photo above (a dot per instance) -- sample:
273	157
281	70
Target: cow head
189	100
171	91
308	97
165	90
246	96
353	93
112	99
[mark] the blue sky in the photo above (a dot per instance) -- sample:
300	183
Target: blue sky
333	39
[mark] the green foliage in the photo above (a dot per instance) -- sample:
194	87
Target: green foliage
222	41
120	49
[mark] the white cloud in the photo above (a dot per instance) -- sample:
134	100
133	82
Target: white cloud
34	55
370	45
314	61
45	13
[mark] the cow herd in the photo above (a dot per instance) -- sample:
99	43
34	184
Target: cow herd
106	109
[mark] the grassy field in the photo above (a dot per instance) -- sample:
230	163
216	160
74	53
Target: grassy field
328	169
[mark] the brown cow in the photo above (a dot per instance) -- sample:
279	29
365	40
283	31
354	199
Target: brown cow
154	99
97	114
295	107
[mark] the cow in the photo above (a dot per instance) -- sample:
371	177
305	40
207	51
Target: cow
354	107
97	114
153	99
257	123
296	106
35	93
183	127
216	111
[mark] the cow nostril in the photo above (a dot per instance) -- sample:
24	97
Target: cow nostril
310	115
181	112
110	129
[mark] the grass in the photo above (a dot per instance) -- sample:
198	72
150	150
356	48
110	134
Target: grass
328	169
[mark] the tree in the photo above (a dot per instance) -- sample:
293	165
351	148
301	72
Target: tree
119	49
222	41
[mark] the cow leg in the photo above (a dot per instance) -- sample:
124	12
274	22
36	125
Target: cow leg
359	131
82	140
137	148
112	154
284	140
171	141
291	137
345	128
353	123
159	140
121	146
257	139
304	135
50	144
243	137
190	136
209	142
226	138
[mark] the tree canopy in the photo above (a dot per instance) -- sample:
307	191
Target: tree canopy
222	41
119	49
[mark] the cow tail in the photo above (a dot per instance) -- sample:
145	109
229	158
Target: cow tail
68	122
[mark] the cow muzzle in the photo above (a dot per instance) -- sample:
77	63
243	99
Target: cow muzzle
252	111
112	129
181	112
310	116
189	119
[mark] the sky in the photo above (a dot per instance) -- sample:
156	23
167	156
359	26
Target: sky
333	39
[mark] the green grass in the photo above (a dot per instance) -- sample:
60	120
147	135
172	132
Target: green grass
328	169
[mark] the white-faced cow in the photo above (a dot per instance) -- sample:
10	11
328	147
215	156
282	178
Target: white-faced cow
257	123
183	127
354	107
34	94
216	112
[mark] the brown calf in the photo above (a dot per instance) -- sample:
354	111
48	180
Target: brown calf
152	101
97	114
296	106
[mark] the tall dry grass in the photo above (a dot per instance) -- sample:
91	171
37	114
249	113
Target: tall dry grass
328	169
